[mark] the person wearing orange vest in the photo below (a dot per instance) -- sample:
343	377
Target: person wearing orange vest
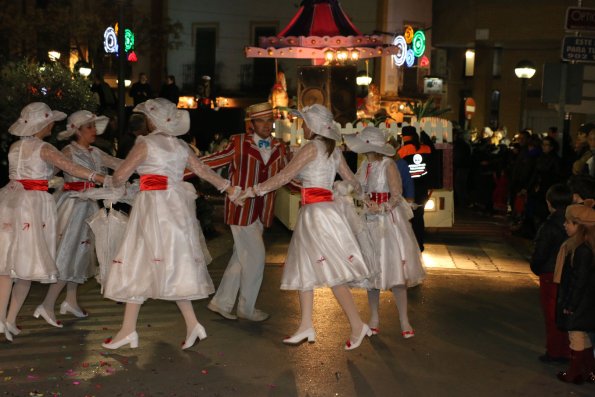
252	158
417	156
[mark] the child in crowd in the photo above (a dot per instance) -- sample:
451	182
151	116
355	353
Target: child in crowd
548	240
575	307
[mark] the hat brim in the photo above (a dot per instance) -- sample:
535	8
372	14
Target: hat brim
332	133
176	126
101	123
356	145
21	128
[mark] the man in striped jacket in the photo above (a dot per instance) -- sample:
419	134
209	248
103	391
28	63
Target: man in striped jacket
252	158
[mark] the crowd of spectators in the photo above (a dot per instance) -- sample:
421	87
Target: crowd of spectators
499	176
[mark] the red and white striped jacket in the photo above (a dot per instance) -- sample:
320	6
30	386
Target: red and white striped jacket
246	168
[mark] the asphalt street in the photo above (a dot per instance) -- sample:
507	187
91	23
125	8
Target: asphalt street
477	321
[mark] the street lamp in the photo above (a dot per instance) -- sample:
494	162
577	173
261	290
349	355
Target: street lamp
524	70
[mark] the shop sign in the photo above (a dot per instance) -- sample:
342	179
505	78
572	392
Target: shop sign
578	18
578	48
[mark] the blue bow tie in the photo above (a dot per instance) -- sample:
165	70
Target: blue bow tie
263	143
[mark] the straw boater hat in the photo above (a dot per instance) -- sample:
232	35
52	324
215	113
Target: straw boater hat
370	139
320	120
79	119
165	115
259	111
34	118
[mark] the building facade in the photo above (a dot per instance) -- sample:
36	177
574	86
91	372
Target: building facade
477	45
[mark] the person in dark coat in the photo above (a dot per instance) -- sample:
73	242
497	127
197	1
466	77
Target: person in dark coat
141	90
575	307
170	90
548	240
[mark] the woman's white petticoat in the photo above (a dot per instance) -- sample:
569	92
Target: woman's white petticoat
322	251
161	256
27	217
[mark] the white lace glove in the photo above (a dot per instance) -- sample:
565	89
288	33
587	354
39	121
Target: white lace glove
385	207
372	207
107	181
235	196
413	205
342	188
246	193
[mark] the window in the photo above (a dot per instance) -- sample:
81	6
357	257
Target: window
469	63
263	71
496	62
205	44
494	120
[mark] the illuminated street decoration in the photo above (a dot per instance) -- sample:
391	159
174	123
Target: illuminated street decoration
401	44
424	62
110	41
409	58
408	34
419	43
128	40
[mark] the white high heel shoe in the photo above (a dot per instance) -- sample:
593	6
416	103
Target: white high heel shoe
4	329
40	311
12	328
131	339
198	332
366	331
65	307
296	339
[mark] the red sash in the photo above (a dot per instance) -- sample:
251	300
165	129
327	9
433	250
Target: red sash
379	198
78	186
34	184
153	182
311	195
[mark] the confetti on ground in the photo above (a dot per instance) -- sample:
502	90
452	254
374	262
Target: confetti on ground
76	382
204	372
85	365
32	377
271	386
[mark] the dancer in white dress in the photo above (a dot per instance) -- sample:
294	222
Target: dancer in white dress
161	256
322	251
28	211
75	256
387	217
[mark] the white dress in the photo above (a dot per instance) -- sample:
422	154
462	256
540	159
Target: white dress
28	217
322	251
397	252
161	255
75	257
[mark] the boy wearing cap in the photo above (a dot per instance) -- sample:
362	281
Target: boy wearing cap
252	158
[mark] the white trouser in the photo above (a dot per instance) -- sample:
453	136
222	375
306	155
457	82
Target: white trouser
244	270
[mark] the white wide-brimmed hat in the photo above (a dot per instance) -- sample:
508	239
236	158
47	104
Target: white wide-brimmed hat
34	118
166	116
370	139
79	119
320	120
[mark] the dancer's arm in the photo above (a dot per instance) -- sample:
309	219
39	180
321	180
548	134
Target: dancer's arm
305	155
135	157
56	158
107	160
203	171
395	185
